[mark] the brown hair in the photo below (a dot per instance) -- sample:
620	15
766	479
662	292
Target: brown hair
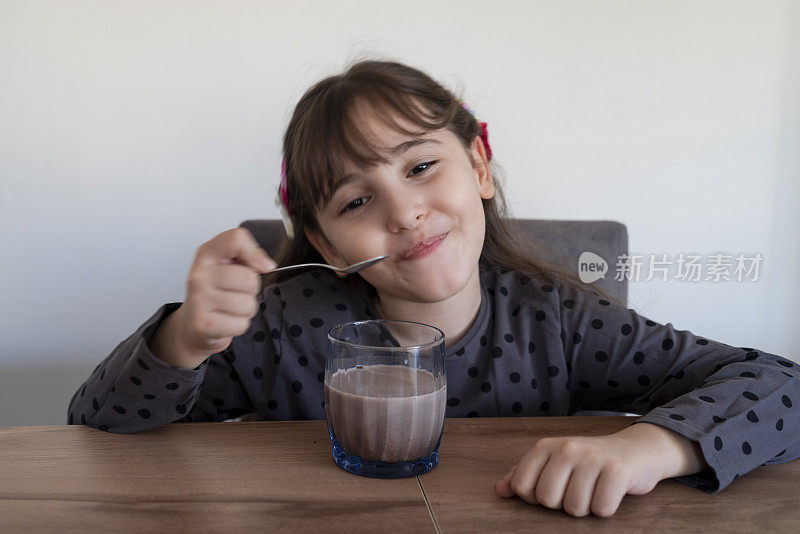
323	130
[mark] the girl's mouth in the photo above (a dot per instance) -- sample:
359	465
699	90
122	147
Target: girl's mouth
425	248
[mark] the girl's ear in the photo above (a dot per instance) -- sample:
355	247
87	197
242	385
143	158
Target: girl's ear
326	250
483	174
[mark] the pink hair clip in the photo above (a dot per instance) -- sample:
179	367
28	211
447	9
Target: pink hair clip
485	139
484	130
283	202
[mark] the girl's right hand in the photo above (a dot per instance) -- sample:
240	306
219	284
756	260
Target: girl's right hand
221	296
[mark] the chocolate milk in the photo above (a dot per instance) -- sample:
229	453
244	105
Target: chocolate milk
388	413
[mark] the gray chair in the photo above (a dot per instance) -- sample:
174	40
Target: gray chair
561	242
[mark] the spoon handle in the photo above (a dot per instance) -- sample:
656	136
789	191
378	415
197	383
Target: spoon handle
350	269
286	268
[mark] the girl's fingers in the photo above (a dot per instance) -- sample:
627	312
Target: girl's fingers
581	487
230	303
236	245
503	487
608	493
239	278
523	481
552	483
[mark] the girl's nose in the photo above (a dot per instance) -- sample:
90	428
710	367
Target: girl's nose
406	208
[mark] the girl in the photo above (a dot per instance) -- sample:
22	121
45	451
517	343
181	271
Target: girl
384	160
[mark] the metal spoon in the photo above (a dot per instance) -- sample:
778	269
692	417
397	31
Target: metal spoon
350	269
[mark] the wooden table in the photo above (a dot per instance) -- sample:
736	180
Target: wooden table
279	476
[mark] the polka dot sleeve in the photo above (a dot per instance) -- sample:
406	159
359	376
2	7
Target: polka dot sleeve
132	390
738	403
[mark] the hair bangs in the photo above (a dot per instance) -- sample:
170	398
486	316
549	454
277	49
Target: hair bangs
339	134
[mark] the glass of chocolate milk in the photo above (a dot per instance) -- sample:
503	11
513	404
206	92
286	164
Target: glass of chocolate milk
385	394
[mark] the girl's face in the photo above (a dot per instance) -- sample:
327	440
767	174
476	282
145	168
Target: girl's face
422	208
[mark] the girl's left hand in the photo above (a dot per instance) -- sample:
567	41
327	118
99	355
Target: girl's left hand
583	474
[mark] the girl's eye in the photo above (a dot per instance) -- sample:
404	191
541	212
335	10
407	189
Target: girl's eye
415	171
353	204
422	167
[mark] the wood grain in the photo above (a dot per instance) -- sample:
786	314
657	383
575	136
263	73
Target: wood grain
476	453
204	477
279	476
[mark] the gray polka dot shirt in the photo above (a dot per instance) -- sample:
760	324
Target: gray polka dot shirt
537	348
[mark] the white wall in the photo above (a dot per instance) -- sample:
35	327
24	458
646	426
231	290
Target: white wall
132	132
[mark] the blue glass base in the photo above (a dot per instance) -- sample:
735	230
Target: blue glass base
357	466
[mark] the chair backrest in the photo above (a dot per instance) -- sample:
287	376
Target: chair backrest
562	242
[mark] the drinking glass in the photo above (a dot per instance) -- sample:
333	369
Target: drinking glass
385	397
